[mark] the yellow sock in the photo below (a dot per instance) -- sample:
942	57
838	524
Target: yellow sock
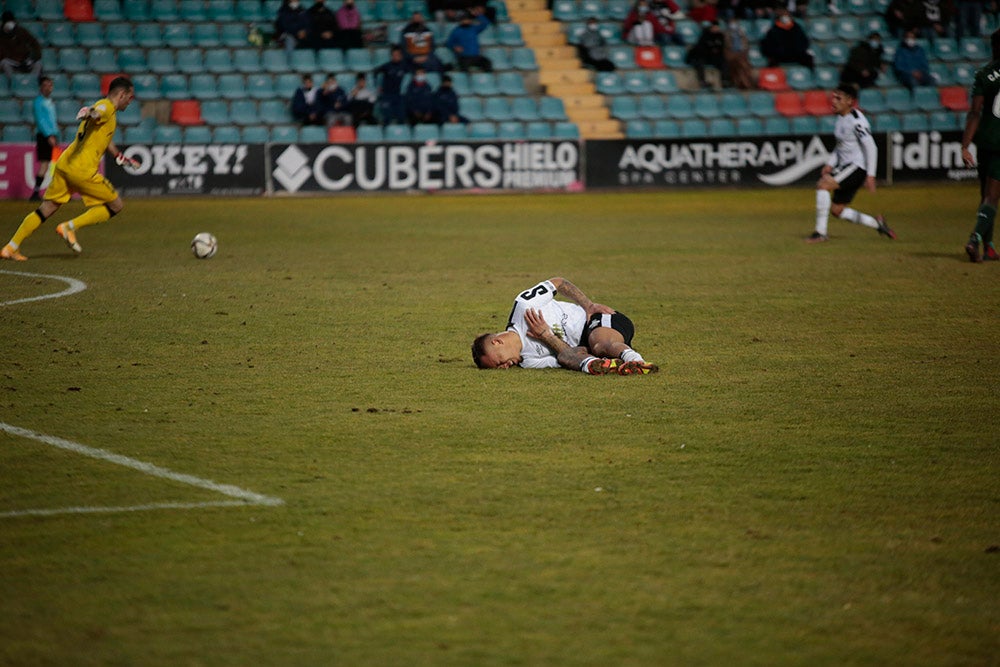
27	228
92	216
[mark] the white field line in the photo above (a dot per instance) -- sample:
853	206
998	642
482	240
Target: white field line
242	496
74	287
130	508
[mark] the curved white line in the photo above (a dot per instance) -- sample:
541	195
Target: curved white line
74	287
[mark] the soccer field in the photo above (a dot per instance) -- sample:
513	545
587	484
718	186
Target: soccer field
284	455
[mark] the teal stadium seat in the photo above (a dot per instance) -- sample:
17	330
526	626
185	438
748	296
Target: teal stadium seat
234	35
424	132
220	61
275	61
90	35
734	105
255	134
537	130
481	130
523	58
565	130
397	134
244	112
510	83
496	109
177	35
638	128
761	104
11	112
137	11
102	60
551	108
749	126
275	112
61	35
849	29
198	134
617	10
108	10
625	108
86	86
174	87
18	134
369	134
722	127
193	11
915	121
472	107
499	57
215	112
330	60
483	84
707	106
203	86
205	35
49	10
679	107
119	35
652	107
804	125
284	85
161	61
524	109
900	100
509	34
73	60
313	134
675	56
138	134
168	134
148	36
221	10
147	86
252	12
130	116
189	61
663	82
820	28
24	86
453	132
799	78
511	130
232	86
261	86
226	134
636	82
777	125
609	83
285	134
357	60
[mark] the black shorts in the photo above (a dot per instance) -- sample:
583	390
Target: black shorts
616	321
43	150
851	179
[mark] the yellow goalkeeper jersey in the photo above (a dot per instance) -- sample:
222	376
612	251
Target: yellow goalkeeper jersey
92	139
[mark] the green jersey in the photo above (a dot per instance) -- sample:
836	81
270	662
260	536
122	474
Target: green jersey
987	84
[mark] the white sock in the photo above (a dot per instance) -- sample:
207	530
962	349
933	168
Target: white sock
858	218
632	355
822	211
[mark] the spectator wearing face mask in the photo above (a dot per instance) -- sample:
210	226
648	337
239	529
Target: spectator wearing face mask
307	104
446	107
593	48
910	63
20	52
642	27
334	103
349	35
419	99
291	27
864	62
786	42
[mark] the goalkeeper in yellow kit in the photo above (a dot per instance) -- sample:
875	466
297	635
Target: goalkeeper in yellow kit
76	171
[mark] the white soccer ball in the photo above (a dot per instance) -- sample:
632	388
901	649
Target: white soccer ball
204	245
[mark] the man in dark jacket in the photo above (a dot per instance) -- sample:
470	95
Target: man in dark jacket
417	42
291	27
419	99
710	49
446	103
864	62
20	52
323	24
786	42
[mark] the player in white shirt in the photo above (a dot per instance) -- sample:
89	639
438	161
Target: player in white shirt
852	163
578	334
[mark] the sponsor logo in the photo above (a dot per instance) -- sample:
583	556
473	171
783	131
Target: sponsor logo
930	151
292	170
188	160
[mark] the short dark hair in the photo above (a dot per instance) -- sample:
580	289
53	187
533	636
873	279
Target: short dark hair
479	349
42	79
847	88
120	83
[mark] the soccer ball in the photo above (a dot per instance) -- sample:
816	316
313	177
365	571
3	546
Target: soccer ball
204	245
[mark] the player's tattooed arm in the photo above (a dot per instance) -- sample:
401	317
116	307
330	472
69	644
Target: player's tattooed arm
567	356
573	293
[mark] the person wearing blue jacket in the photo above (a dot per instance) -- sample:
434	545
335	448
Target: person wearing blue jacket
390	77
46	132
464	41
910	62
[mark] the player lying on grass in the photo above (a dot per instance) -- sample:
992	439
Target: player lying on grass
544	333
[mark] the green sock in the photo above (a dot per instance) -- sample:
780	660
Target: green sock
984	223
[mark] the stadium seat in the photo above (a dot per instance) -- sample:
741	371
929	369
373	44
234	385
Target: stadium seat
161	61
79	10
749	126
872	100
61	35
215	112
761	103
90	35
926	98
397	134
722	127
538	129
617	10
252	12
190	61
944	121
168	134
826	77
453	132
244	112
849	29
233	35
496	109
799	78
777	125
138	134
566	11
674	56
915	121
226	134
186	112
804	125
86	87
285	134
11	113
524	109
285	85
707	106
198	135
148	36
666	128
954	98
733	105
679	107
50	10
820	28
816	102
694	127
275	61
203	86
509	34
789	103
636	82
483	84
330	60
232	86
551	108
481	129
370	134
221	10
472	107
358	60
900	100
261	87
523	59
205	35
341	134
255	134
834	53
638	128
136	11
313	134
565	130
118	35
649	57
72	60
511	130
193	11
177	35
17	134
147	86
510	83
624	108
24	86
108	10
663	82
609	83
275	112
772	78
622	56
499	57
174	87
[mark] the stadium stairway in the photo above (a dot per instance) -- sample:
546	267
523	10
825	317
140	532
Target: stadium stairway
561	72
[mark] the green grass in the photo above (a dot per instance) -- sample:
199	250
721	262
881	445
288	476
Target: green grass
812	478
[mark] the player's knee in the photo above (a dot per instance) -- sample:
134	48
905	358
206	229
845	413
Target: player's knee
115	207
837	209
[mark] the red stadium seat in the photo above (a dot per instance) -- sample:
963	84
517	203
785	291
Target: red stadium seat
106	80
79	10
186	112
954	98
341	134
772	78
789	103
649	57
817	103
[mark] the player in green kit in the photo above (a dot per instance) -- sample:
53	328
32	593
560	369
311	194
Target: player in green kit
982	125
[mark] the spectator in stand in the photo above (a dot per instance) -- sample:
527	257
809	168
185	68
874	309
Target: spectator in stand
709	50
334	103
864	62
323	23
349	35
901	15
937	18
361	102
910	63
20	52
464	41
969	18
446	103
291	27
46	132
704	10
642	27
390	77
737	55
307	105
417	42
419	99
786	42
593	48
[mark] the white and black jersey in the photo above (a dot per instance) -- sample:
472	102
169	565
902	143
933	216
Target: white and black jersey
855	149
566	319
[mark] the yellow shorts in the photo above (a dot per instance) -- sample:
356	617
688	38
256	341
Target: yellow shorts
95	189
